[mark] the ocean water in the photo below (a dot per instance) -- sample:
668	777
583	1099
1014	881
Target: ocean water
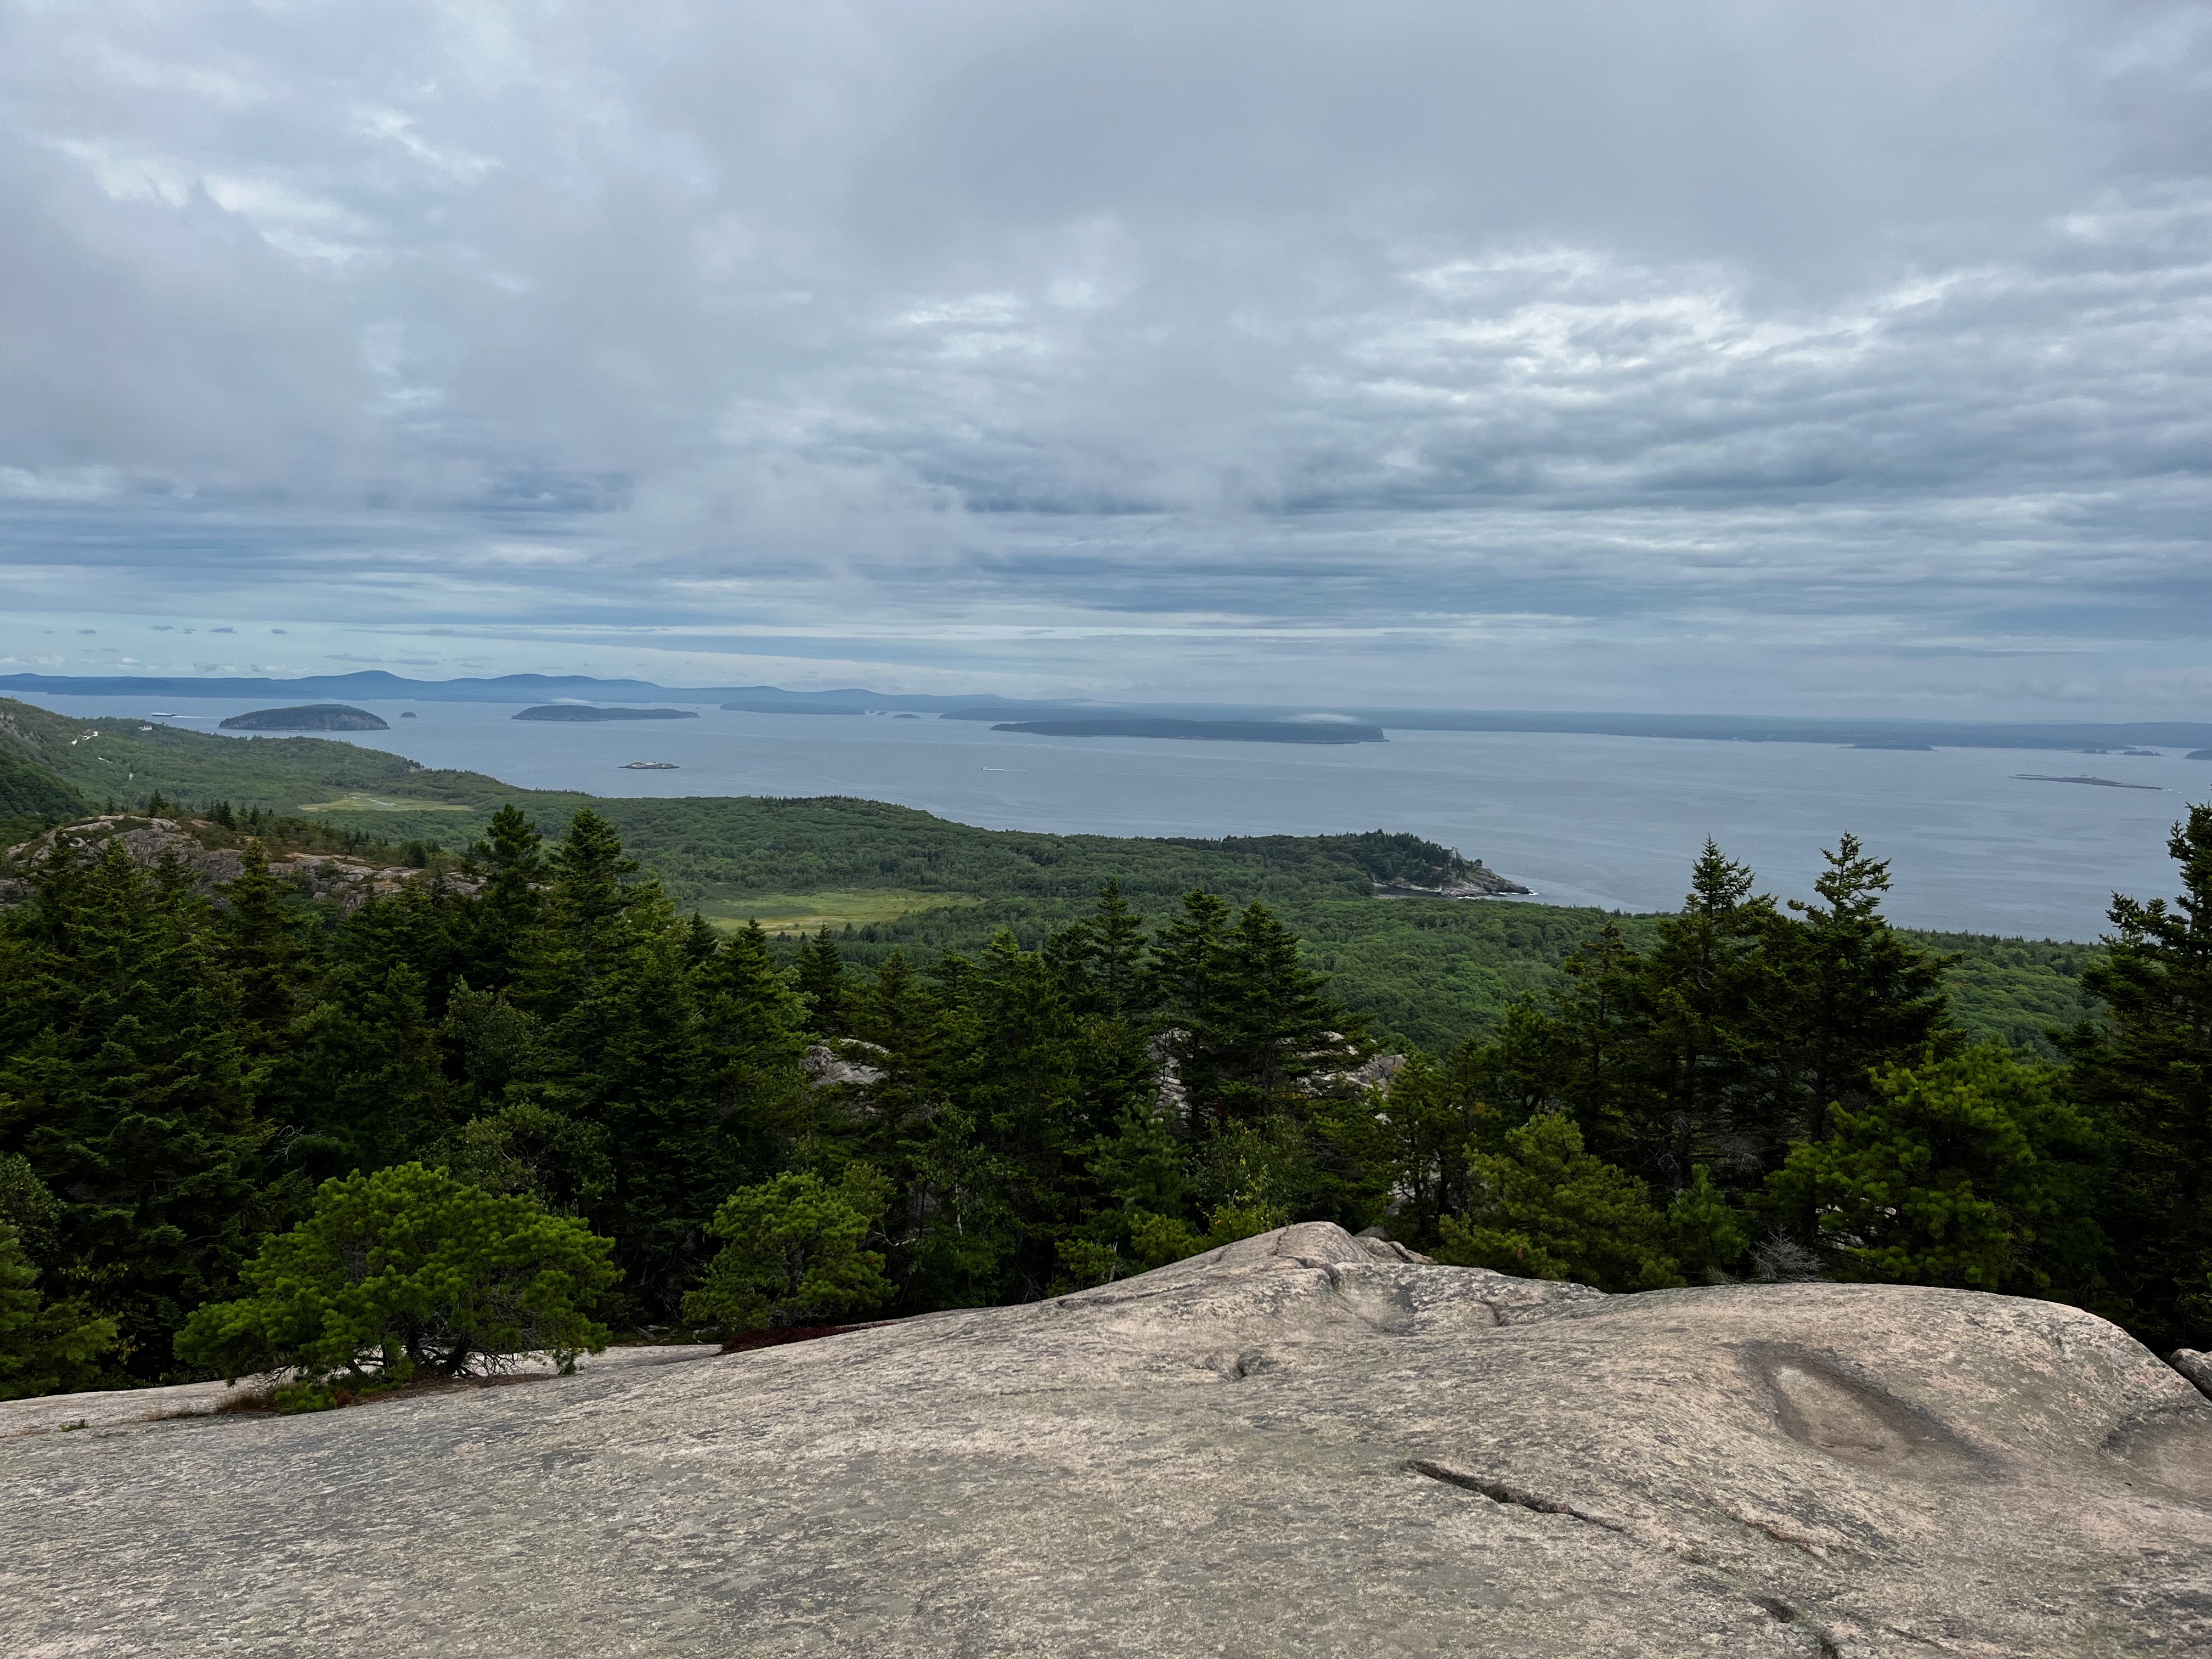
1583	820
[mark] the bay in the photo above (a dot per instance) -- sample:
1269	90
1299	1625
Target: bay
1614	822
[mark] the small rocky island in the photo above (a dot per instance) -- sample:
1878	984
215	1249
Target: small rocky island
575	713
649	766
308	717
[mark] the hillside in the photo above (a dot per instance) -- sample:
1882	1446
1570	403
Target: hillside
1426	971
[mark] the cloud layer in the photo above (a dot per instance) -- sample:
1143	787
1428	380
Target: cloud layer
1582	355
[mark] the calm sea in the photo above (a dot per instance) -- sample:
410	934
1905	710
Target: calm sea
1583	820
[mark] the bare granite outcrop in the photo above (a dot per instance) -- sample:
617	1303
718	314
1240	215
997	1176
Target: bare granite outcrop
1300	1443
348	881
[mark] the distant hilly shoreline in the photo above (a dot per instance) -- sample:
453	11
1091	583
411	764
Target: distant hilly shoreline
376	685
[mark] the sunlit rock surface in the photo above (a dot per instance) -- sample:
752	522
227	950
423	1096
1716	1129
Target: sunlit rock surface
1304	1443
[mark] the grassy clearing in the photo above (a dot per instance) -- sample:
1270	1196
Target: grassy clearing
360	803
808	913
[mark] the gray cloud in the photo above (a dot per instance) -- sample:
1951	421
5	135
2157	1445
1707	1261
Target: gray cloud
1558	354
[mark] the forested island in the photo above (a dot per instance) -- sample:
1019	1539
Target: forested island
578	713
313	717
1138	725
523	1021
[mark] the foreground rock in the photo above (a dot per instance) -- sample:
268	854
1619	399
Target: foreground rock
1304	1443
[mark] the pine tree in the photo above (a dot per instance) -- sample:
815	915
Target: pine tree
2143	1071
1543	1207
1967	1171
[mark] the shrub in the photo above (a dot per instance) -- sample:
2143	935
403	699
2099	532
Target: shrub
403	1269
793	1252
1547	1209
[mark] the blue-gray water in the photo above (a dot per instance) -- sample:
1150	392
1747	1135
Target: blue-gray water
1583	820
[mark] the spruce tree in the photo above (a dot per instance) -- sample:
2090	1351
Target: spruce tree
1856	996
508	908
123	1084
1101	958
821	974
1691	1086
257	933
752	1031
1187	959
46	1347
608	977
2143	1071
365	1085
1256	1019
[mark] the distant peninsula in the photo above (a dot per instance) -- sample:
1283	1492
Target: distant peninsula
574	713
309	717
1139	725
2198	754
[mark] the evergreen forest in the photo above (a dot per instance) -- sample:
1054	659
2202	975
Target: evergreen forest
756	1128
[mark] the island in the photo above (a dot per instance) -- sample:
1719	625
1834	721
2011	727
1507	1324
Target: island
2083	777
1910	748
1142	725
308	717
2198	754
573	713
649	766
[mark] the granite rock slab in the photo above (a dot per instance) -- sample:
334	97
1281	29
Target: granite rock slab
1303	1444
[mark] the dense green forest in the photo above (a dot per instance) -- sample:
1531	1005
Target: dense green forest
1149	1062
1425	972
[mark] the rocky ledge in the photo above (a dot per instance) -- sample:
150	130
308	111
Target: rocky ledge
347	881
1476	881
1302	1443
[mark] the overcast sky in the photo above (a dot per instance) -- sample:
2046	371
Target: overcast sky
1731	356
